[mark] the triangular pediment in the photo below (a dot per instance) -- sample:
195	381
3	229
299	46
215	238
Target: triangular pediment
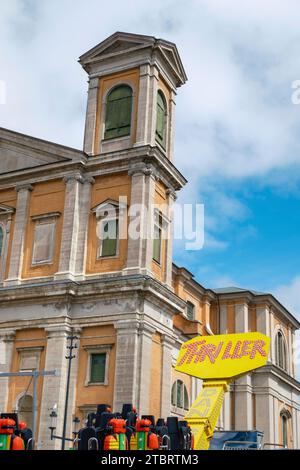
124	43
118	43
19	152
6	209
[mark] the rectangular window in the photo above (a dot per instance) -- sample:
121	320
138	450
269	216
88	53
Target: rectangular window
108	243
43	245
97	368
157	237
190	311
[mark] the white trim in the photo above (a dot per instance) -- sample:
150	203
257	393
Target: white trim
97	349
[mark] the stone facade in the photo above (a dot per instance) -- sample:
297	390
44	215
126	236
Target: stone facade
129	306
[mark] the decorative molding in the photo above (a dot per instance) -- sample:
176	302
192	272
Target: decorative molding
50	215
24	187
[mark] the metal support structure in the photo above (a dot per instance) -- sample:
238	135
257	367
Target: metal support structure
35	374
70	357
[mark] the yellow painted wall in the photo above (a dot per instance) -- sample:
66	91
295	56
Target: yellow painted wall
156	371
34	337
95	394
106	187
161	203
8	197
45	198
130	77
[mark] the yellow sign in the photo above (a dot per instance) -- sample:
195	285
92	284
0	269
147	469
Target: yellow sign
223	356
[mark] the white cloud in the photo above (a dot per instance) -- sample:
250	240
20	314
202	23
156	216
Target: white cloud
241	58
289	296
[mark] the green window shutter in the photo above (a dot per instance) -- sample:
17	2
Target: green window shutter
110	238
190	311
118	112
1	240
161	120
98	362
157	244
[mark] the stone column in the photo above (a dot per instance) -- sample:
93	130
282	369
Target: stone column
54	387
21	219
225	413
139	254
243	403
143	106
243	385
126	366
241	318
91	117
265	416
153	89
82	239
166	375
171	129
263	322
7	338
72	232
169	240
144	368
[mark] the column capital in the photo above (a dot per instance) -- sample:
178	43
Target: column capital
167	341
143	169
73	177
8	335
171	193
58	331
24	187
126	326
87	179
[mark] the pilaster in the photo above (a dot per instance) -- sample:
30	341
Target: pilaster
6	357
91	117
21	218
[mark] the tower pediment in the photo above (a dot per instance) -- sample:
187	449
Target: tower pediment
120	44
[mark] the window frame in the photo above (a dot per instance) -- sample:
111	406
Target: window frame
105	111
162	142
185	397
281	351
190	304
102	222
39	220
35	351
97	349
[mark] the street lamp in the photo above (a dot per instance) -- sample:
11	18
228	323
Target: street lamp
52	427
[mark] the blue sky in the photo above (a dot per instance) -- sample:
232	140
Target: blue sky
237	130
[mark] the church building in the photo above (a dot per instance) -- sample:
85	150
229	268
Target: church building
62	272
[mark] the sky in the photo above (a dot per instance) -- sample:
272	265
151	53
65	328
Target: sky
237	128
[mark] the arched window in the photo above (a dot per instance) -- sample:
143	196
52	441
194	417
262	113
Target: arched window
161	119
285	416
1	240
180	397
118	112
25	407
280	351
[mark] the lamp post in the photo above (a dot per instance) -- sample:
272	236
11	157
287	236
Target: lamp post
52	427
69	357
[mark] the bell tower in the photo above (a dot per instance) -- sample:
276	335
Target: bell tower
129	128
131	98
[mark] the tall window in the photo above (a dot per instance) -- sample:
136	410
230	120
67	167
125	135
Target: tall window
97	365
190	310
161	119
180	397
157	236
280	351
1	240
44	238
284	428
108	242
118	112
